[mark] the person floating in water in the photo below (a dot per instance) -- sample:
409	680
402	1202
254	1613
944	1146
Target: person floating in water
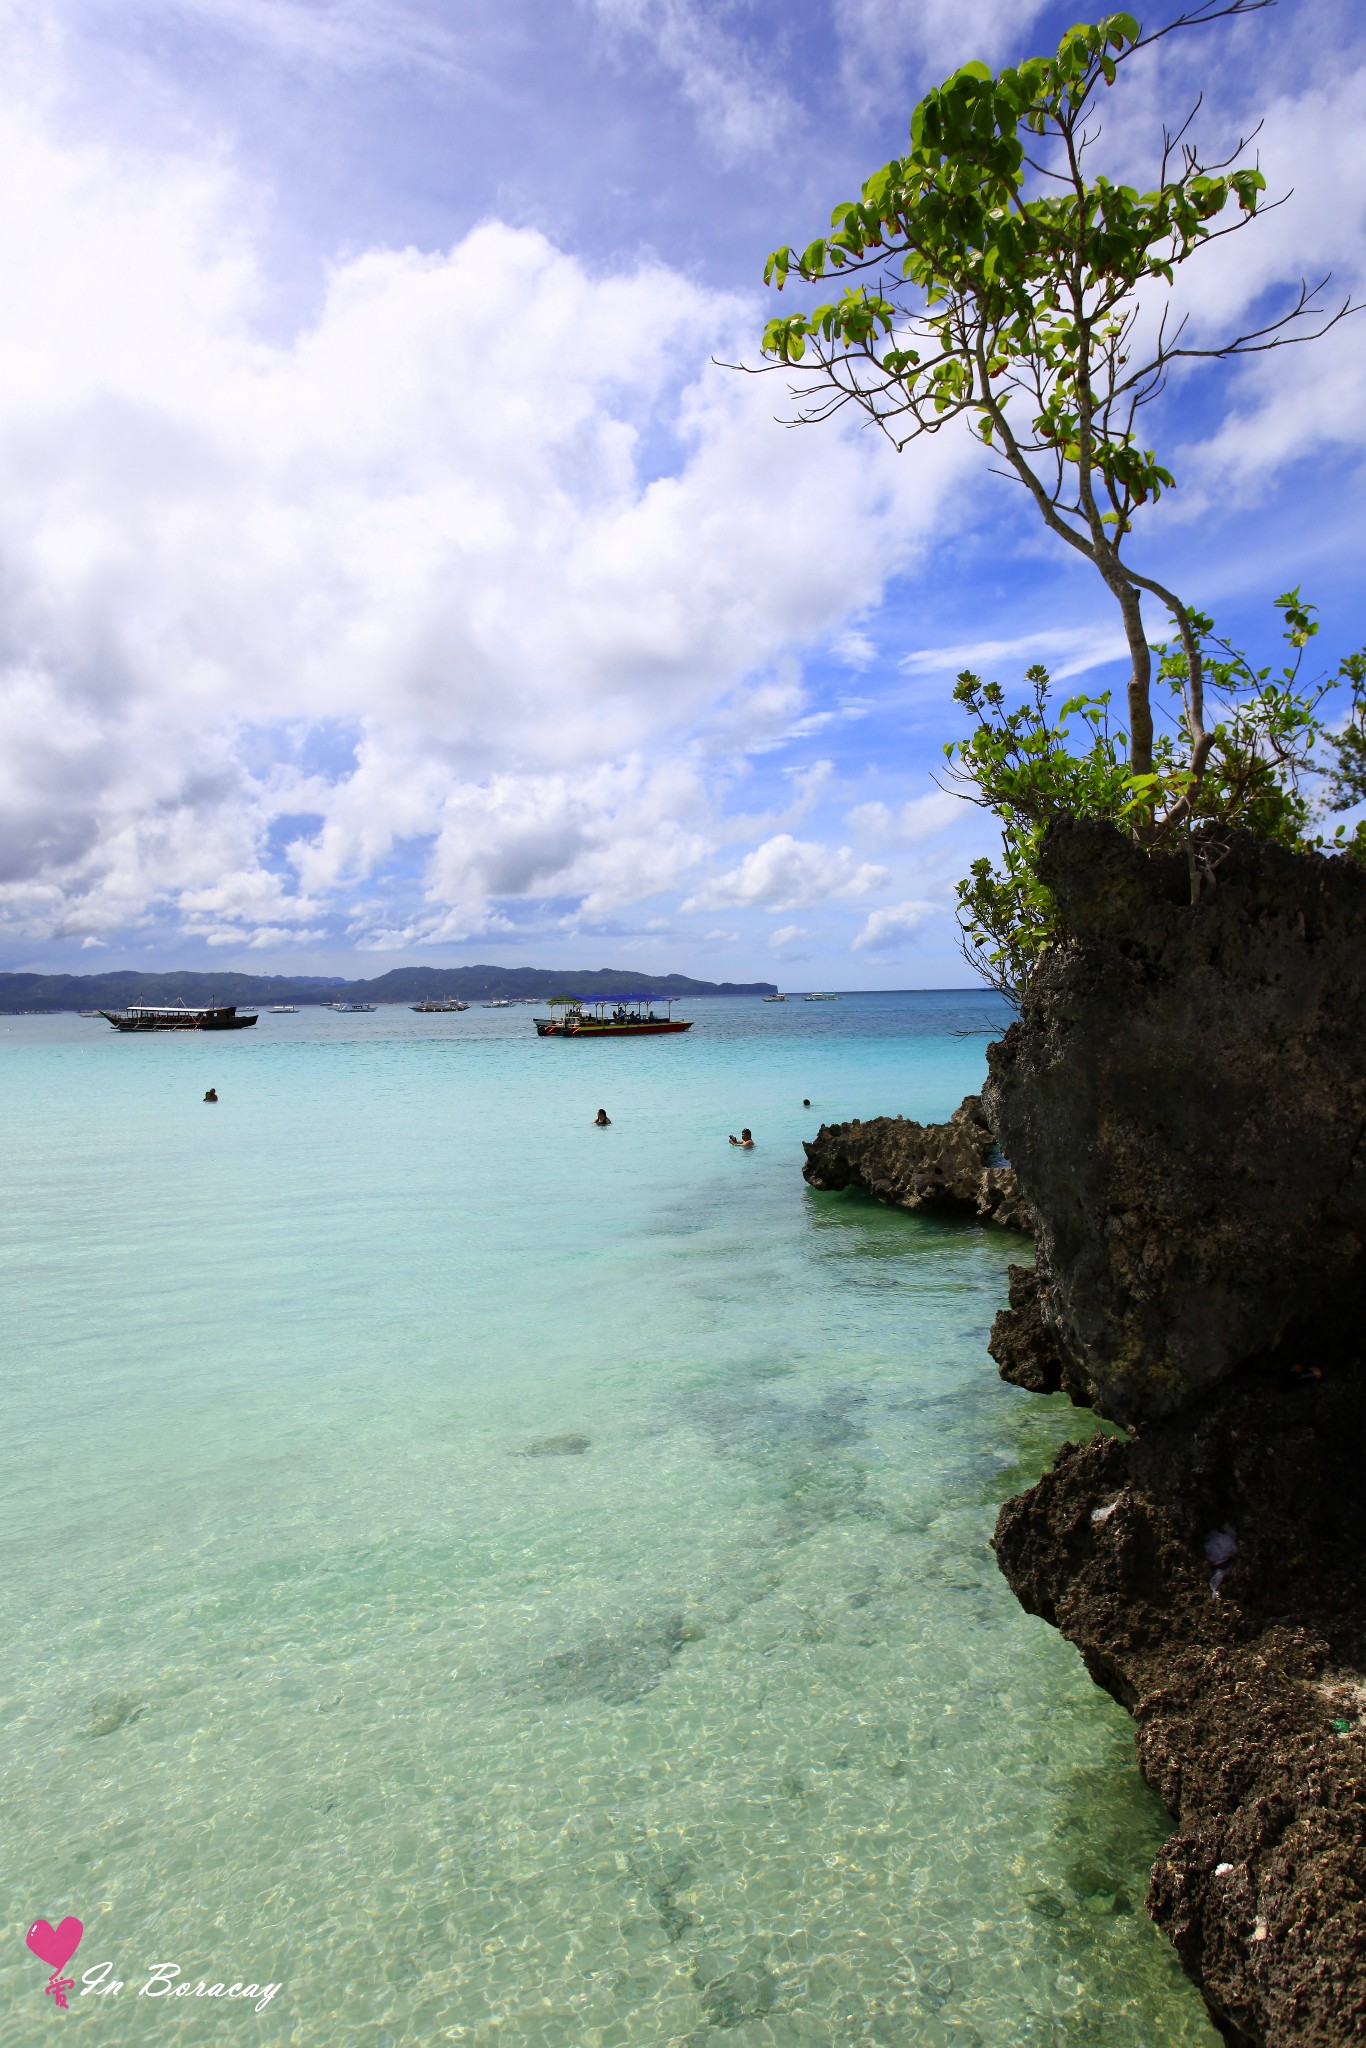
744	1141
602	1119
211	1095
806	1102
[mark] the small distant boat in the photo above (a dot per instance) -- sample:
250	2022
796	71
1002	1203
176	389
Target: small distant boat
821	996
178	1017
351	1009
284	1009
438	1006
613	1017
499	1003
775	999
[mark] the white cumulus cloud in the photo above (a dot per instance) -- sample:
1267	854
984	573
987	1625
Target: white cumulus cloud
788	874
884	40
920	818
890	929
411	584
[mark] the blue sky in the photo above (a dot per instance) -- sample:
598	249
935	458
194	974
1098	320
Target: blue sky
389	573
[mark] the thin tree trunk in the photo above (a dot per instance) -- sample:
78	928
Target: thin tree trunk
1140	670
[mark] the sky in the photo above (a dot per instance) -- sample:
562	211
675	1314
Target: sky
391	568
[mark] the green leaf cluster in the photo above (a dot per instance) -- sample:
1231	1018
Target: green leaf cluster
1023	284
1277	764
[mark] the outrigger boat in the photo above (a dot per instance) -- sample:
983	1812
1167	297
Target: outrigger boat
613	1017
177	1017
438	1006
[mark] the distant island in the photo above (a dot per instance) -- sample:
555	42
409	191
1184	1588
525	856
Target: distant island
30	992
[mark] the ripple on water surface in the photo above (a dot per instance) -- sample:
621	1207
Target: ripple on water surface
514	1582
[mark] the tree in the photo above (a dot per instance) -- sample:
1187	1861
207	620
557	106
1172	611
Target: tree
1002	284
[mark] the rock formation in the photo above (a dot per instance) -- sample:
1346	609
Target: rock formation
1241	1675
1023	1344
953	1167
1184	1102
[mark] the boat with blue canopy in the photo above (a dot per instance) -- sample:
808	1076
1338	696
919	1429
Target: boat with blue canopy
610	1017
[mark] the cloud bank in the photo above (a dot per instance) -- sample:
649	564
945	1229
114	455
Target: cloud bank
474	594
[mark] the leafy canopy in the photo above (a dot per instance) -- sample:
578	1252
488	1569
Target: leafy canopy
1022	289
991	277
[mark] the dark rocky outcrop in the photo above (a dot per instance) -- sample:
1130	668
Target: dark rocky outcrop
1241	1676
954	1168
1022	1342
1184	1102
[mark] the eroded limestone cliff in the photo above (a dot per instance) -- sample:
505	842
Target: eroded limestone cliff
1184	1103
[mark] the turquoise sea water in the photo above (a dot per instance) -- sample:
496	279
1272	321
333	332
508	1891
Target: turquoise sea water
318	1667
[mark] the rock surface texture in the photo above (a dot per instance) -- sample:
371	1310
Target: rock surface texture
1184	1102
952	1167
1022	1342
1246	1693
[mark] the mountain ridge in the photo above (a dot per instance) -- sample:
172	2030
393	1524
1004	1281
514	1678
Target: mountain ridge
54	992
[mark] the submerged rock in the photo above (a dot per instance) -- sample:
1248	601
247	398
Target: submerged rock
1184	1102
662	1876
110	1712
556	1447
953	1168
732	1993
620	1667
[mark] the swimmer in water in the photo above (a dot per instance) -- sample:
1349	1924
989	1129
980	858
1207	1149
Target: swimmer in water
744	1141
602	1119
806	1102
211	1095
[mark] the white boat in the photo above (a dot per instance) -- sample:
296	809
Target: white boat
821	996
499	1003
284	1009
351	1008
438	1005
775	999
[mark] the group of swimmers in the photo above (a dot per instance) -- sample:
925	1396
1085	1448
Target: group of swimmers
745	1140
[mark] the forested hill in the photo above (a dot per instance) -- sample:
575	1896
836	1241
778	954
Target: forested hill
28	992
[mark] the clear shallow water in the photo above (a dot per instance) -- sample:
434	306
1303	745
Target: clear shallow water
724	1730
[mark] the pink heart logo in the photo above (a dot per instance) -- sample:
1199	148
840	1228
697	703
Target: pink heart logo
55	1946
